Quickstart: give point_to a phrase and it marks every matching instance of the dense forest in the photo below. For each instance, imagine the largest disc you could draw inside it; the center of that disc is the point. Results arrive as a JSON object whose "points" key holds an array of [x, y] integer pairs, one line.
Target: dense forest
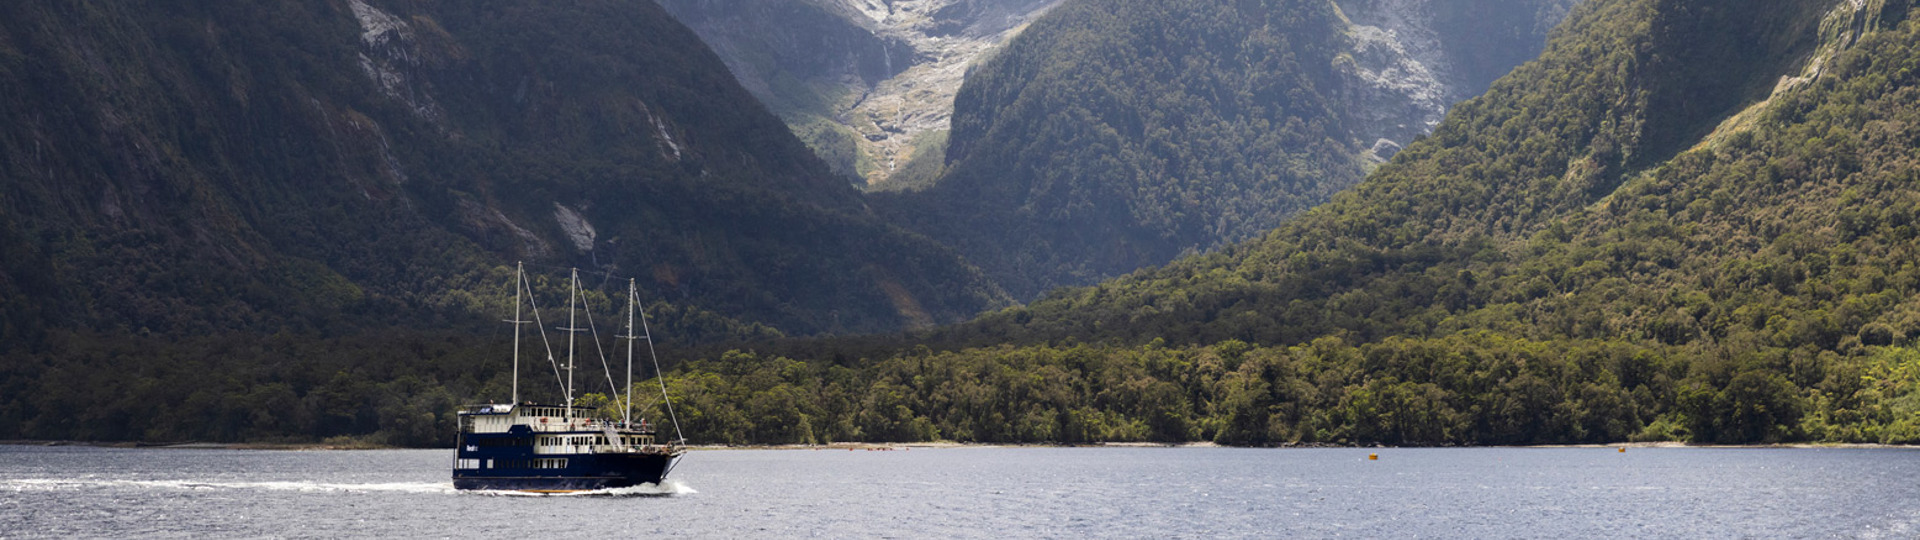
{"points": [[1466, 388]]}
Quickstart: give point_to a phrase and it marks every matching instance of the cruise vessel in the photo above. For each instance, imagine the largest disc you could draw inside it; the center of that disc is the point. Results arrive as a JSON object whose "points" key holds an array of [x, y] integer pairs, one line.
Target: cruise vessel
{"points": [[524, 446]]}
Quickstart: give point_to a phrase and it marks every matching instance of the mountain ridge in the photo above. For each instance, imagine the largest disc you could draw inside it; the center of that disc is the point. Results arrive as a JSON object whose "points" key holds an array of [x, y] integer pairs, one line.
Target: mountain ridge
{"points": [[346, 158], [1112, 136]]}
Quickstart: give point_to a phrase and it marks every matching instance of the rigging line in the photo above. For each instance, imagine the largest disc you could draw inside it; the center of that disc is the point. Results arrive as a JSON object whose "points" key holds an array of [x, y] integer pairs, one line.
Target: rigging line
{"points": [[611, 389], [650, 403], [543, 331], [661, 376]]}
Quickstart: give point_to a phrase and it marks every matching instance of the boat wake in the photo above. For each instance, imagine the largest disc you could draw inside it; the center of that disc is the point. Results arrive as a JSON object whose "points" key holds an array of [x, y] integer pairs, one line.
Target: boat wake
{"points": [[72, 484], [669, 488], [665, 489]]}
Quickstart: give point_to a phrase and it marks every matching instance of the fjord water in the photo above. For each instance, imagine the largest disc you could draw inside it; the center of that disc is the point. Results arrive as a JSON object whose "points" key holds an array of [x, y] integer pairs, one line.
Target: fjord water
{"points": [[988, 492]]}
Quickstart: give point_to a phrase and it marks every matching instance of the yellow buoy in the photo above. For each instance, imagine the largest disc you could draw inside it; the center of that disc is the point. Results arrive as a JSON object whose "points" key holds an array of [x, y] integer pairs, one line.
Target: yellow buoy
{"points": [[1373, 457]]}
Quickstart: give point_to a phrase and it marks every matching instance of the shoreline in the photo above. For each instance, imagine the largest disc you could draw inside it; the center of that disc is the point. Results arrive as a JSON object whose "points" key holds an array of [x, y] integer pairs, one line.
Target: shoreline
{"points": [[948, 445]]}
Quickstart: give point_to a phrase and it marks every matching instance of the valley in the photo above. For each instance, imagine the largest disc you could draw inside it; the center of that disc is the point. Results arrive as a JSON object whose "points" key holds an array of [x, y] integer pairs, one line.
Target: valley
{"points": [[862, 81]]}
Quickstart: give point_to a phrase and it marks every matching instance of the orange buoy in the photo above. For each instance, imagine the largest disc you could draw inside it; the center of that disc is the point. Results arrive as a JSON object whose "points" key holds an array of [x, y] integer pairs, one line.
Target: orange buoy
{"points": [[1373, 457], [1623, 449]]}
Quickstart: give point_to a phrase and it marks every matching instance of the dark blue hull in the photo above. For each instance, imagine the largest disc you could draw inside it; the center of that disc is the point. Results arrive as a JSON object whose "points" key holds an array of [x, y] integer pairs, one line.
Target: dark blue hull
{"points": [[512, 461], [584, 472]]}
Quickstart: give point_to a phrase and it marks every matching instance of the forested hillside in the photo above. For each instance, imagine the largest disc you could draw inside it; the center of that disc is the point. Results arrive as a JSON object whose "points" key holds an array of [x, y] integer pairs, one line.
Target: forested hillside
{"points": [[295, 200], [1559, 262], [306, 165], [1551, 140], [1113, 135]]}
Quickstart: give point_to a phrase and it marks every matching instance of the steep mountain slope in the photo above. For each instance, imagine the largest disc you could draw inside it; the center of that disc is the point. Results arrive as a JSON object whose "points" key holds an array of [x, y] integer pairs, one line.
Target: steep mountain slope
{"points": [[1559, 262], [1549, 141], [305, 165], [1114, 135], [1410, 60], [859, 80]]}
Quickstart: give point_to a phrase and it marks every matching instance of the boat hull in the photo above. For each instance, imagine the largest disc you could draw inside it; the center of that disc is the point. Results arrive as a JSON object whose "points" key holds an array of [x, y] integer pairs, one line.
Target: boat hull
{"points": [[584, 472]]}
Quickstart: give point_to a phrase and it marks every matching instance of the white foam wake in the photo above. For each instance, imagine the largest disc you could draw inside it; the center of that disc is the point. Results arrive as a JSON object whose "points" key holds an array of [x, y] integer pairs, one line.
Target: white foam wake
{"points": [[668, 488], [69, 484]]}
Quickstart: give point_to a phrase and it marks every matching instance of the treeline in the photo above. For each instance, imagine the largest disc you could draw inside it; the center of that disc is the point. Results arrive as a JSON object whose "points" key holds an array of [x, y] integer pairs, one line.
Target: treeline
{"points": [[394, 387], [397, 389], [1477, 388], [1473, 388]]}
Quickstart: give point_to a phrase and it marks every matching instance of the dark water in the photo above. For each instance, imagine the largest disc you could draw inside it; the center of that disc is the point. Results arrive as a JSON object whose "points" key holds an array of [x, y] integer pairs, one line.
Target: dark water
{"points": [[989, 492]]}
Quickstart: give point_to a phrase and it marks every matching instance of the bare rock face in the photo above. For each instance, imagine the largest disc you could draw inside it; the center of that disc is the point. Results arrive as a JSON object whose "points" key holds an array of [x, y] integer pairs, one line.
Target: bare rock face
{"points": [[859, 80], [949, 36], [392, 48], [1413, 59]]}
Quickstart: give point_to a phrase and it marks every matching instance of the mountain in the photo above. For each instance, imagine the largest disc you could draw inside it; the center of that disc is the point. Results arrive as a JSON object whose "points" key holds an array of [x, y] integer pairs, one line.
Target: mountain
{"points": [[1610, 107], [1687, 220], [298, 220], [868, 84], [307, 165], [1114, 135]]}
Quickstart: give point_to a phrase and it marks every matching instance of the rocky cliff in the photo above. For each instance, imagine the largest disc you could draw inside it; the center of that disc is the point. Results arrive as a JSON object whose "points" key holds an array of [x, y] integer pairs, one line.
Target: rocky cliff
{"points": [[859, 80], [1412, 59]]}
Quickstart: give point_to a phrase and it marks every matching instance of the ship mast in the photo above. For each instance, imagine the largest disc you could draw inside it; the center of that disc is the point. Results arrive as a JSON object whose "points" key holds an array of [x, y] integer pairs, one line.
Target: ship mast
{"points": [[519, 271], [573, 297], [633, 300]]}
